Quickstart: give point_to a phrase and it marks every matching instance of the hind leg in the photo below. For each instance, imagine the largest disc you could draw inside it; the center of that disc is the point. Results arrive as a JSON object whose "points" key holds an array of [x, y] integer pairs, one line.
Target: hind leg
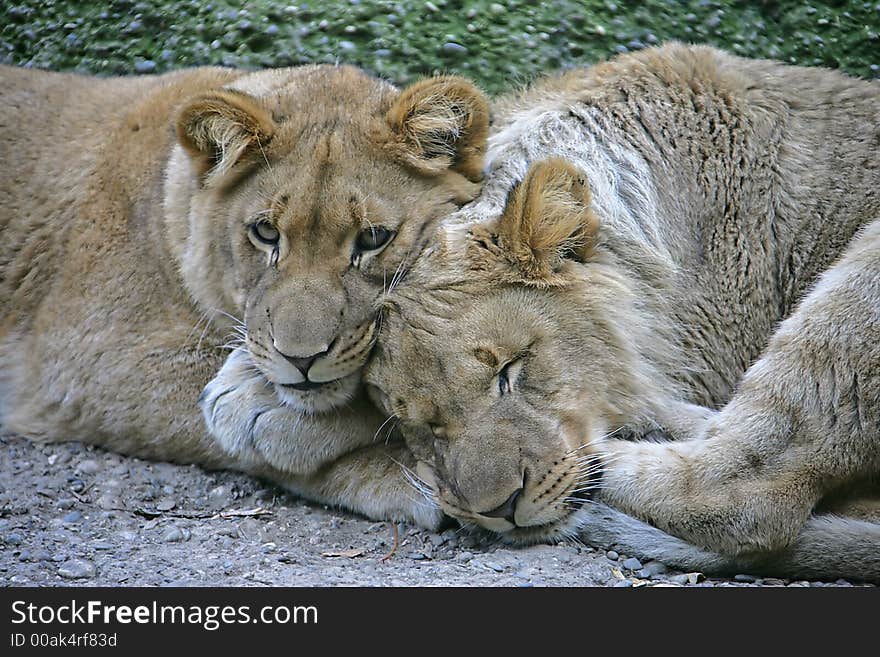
{"points": [[805, 421]]}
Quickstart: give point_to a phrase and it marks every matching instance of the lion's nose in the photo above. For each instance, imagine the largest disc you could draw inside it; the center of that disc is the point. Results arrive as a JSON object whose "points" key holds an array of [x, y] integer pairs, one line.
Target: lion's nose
{"points": [[303, 364], [507, 509]]}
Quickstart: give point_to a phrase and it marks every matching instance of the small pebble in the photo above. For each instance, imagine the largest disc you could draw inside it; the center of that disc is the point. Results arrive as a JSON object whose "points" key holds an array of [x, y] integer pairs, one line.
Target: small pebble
{"points": [[41, 555], [632, 564], [145, 66], [611, 554], [652, 569], [744, 578], [452, 48], [108, 501], [66, 503], [174, 535], [72, 517], [694, 578], [622, 584], [77, 569], [497, 8], [89, 466], [166, 505], [491, 565], [462, 557]]}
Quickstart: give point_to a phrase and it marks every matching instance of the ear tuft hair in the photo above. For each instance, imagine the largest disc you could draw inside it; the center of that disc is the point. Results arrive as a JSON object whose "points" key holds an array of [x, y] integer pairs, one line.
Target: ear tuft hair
{"points": [[441, 123], [221, 129], [547, 220]]}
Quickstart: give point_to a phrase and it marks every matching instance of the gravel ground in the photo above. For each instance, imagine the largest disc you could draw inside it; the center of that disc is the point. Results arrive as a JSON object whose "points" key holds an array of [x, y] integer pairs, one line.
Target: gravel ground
{"points": [[76, 515]]}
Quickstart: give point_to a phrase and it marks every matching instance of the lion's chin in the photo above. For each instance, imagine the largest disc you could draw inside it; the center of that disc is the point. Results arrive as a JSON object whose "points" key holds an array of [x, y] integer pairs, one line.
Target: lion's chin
{"points": [[319, 399], [561, 530], [558, 531]]}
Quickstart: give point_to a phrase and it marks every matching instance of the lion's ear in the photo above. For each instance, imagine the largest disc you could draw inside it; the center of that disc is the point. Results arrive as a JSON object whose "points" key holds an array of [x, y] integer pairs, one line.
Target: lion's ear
{"points": [[441, 123], [547, 220], [222, 129]]}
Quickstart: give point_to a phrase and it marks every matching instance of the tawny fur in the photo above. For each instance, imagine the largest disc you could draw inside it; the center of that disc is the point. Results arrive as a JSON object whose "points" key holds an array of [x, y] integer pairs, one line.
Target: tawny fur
{"points": [[732, 195]]}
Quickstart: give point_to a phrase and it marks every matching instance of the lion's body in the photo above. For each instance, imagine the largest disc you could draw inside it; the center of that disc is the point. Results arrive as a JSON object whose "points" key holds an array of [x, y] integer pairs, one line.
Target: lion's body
{"points": [[93, 304], [734, 159], [724, 188], [129, 258]]}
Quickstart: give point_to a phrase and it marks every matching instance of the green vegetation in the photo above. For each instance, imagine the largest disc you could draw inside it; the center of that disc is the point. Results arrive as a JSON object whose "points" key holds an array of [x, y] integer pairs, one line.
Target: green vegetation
{"points": [[496, 43]]}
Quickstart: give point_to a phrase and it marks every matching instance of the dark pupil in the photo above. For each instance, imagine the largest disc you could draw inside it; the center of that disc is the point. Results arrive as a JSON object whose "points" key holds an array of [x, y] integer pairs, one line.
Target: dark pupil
{"points": [[503, 380], [266, 232], [372, 238]]}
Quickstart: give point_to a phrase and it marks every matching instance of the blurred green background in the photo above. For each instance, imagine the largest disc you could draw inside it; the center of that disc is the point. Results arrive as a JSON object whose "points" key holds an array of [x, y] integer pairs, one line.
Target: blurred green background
{"points": [[499, 44]]}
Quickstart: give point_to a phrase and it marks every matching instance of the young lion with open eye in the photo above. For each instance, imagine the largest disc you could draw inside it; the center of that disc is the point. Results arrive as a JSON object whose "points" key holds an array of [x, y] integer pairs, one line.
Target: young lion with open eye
{"points": [[147, 221], [645, 227]]}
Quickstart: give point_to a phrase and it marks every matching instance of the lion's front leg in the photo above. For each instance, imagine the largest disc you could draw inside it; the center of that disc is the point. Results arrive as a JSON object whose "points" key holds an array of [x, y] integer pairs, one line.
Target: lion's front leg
{"points": [[377, 481], [349, 458], [805, 421], [249, 421]]}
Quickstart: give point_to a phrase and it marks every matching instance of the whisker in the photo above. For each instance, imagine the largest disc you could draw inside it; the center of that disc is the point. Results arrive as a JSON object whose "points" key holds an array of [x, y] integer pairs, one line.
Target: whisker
{"points": [[387, 420], [390, 431], [418, 484], [595, 441]]}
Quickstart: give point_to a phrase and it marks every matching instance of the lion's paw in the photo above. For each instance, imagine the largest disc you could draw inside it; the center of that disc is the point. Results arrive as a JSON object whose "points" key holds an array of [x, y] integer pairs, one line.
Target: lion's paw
{"points": [[231, 404]]}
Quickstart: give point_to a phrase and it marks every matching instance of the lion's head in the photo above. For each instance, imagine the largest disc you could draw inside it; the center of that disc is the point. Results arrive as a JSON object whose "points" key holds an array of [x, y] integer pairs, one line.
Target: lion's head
{"points": [[507, 351], [295, 196]]}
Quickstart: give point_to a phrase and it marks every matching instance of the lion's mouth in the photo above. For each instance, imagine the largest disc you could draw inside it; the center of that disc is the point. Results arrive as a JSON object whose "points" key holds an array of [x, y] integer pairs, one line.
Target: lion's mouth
{"points": [[560, 528], [303, 386]]}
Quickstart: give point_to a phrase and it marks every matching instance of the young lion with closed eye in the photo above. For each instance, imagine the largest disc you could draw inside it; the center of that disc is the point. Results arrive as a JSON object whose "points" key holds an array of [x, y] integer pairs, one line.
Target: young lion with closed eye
{"points": [[676, 241]]}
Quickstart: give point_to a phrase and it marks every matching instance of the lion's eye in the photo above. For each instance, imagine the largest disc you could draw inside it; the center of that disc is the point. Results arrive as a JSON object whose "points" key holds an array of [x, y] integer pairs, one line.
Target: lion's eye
{"points": [[373, 238], [507, 376], [265, 233]]}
